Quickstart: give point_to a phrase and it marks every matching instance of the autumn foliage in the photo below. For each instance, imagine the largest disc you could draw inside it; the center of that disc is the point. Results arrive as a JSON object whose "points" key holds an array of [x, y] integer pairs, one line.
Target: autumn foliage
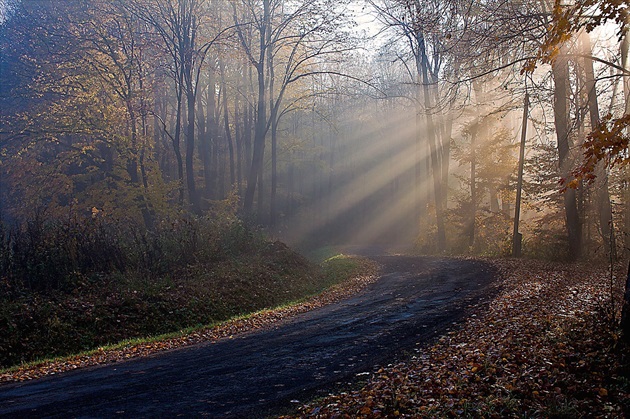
{"points": [[607, 143], [542, 348], [567, 19], [608, 140]]}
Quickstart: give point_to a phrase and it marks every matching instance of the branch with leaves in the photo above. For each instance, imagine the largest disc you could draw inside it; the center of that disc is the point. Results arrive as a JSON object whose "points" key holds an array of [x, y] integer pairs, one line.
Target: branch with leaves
{"points": [[608, 141]]}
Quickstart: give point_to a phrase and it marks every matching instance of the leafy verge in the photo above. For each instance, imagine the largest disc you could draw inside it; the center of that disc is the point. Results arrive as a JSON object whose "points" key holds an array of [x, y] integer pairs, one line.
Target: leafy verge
{"points": [[543, 348]]}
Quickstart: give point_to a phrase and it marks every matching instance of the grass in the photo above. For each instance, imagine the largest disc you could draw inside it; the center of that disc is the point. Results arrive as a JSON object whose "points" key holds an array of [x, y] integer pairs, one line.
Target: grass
{"points": [[321, 254], [309, 287]]}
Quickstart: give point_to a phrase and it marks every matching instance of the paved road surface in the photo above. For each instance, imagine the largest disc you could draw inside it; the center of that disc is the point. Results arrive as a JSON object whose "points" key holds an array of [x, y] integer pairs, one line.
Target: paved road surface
{"points": [[263, 372]]}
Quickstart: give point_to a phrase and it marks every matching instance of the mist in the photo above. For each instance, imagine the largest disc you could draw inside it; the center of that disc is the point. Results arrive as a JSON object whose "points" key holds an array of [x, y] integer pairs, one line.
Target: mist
{"points": [[341, 208], [319, 123]]}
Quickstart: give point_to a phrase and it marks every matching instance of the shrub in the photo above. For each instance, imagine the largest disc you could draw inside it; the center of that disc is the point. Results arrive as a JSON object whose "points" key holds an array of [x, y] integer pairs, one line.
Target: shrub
{"points": [[46, 255], [72, 285]]}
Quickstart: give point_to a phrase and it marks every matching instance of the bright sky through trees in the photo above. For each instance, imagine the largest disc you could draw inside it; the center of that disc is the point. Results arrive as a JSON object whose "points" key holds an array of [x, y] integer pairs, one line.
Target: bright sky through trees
{"points": [[386, 120]]}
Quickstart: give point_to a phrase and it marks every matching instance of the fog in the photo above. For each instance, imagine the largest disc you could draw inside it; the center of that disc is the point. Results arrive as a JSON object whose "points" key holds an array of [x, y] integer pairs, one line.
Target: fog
{"points": [[387, 122]]}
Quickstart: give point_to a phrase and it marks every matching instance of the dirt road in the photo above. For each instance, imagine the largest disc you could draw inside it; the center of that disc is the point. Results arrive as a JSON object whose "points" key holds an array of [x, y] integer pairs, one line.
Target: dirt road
{"points": [[264, 372]]}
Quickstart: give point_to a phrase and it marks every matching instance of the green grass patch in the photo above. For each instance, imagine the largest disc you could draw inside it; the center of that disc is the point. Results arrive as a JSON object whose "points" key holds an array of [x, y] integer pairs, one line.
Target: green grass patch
{"points": [[341, 266], [320, 254], [118, 310]]}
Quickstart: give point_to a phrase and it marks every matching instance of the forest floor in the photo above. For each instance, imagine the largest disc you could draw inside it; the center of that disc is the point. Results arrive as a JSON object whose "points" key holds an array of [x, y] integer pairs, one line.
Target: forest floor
{"points": [[543, 347]]}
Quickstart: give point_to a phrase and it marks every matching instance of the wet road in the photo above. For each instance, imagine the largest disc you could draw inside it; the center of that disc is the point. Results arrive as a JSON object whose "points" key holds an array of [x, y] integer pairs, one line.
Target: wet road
{"points": [[263, 372]]}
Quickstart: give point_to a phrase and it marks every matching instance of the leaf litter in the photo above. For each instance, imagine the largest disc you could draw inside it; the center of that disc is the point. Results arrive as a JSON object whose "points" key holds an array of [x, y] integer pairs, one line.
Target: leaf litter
{"points": [[543, 347]]}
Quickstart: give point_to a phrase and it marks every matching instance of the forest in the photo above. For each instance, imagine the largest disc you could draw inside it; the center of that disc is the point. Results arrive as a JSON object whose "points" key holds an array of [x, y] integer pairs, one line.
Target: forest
{"points": [[392, 122], [156, 155]]}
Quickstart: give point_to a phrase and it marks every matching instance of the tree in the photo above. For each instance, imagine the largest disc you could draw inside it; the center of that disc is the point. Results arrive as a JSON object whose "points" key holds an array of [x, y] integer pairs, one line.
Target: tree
{"points": [[420, 23], [262, 23], [87, 64], [291, 44], [185, 35], [608, 142], [118, 49]]}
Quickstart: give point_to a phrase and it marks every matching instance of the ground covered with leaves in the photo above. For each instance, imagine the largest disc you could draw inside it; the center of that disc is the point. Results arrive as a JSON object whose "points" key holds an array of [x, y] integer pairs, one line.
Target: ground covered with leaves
{"points": [[544, 347]]}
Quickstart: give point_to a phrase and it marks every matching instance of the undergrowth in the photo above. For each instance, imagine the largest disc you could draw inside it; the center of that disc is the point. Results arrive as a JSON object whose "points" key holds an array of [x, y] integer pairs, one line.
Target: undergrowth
{"points": [[76, 285]]}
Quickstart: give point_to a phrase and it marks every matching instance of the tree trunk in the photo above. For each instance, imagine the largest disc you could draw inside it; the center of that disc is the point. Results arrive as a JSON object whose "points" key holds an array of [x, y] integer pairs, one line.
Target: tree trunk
{"points": [[238, 139], [516, 235], [261, 195], [604, 207], [494, 199], [255, 173], [443, 131], [133, 167], [447, 133], [176, 146], [273, 110], [435, 162], [478, 88], [625, 49], [473, 188], [147, 210], [259, 145], [190, 153], [560, 73], [418, 183], [625, 311], [226, 120], [202, 135], [273, 211], [209, 137], [290, 190], [248, 126]]}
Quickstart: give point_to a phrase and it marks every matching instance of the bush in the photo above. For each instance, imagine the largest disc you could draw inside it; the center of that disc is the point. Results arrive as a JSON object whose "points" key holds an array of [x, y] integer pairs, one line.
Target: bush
{"points": [[492, 232], [73, 285], [46, 255], [546, 238]]}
